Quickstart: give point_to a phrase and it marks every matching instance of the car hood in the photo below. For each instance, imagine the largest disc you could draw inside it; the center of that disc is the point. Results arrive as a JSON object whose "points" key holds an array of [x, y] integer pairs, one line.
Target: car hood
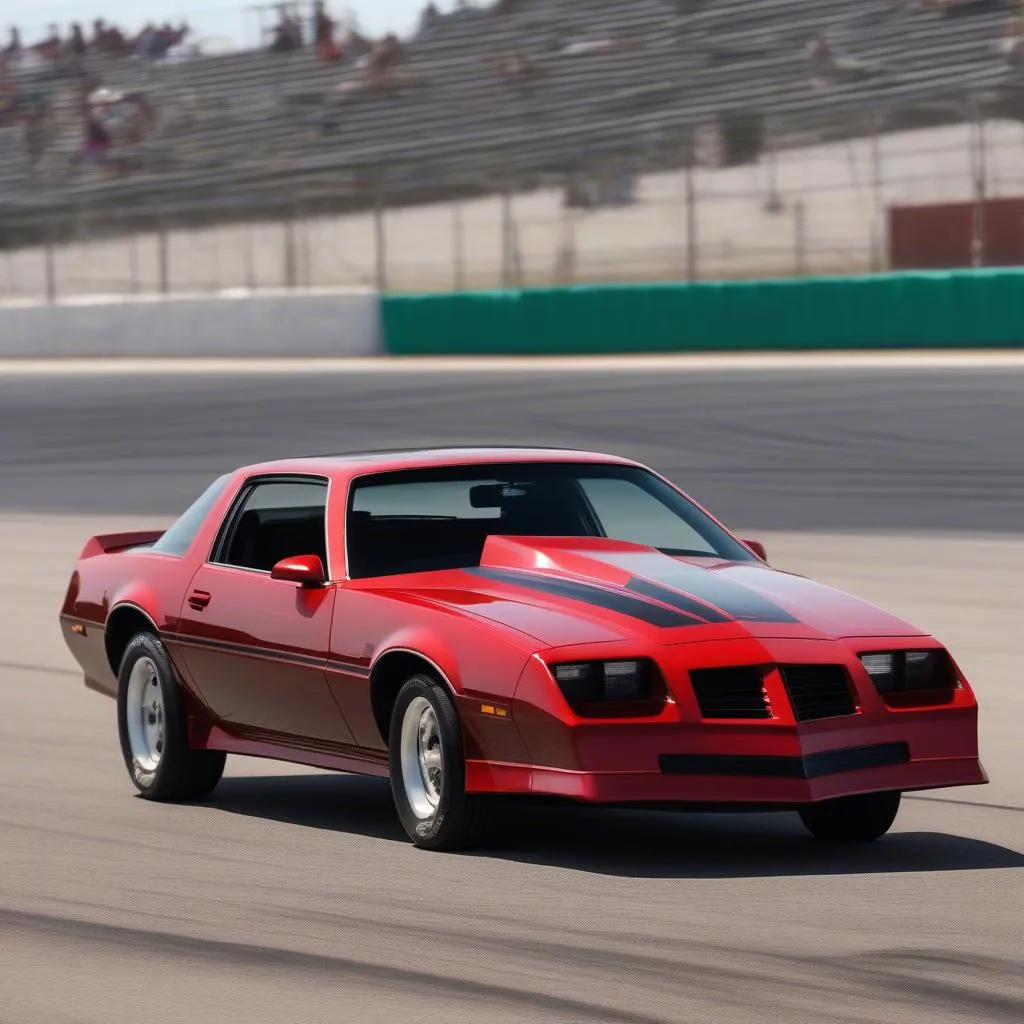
{"points": [[591, 590]]}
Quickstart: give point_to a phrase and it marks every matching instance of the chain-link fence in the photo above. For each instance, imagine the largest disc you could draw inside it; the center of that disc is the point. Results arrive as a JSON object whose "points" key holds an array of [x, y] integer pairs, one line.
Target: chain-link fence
{"points": [[797, 209]]}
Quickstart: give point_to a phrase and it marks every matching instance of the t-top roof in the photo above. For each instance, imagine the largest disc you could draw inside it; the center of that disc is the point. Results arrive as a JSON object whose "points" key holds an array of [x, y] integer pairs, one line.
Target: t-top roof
{"points": [[358, 463]]}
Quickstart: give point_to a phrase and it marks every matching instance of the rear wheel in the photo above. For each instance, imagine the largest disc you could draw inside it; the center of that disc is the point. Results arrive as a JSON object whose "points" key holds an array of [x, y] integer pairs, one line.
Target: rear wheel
{"points": [[428, 769], [153, 727], [852, 819]]}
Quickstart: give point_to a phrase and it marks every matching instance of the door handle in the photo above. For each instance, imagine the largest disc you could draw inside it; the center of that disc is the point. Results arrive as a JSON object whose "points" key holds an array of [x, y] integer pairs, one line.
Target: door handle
{"points": [[199, 599]]}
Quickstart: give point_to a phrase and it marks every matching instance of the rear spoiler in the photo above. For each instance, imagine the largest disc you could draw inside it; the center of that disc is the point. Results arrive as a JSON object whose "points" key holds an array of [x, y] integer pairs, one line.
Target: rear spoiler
{"points": [[111, 543]]}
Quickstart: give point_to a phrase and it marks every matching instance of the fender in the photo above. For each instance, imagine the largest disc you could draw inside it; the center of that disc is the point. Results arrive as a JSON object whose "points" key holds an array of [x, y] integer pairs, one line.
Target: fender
{"points": [[486, 738], [424, 643]]}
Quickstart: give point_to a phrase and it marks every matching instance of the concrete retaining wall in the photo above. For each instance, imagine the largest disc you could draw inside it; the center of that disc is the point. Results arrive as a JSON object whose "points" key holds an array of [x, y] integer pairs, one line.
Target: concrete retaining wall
{"points": [[265, 324]]}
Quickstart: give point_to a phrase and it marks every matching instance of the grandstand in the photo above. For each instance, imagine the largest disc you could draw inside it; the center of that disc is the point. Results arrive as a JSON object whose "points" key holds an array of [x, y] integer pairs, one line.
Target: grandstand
{"points": [[645, 85]]}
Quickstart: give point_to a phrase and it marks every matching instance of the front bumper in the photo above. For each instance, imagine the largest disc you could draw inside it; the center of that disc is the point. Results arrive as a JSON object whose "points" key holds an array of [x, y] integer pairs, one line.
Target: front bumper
{"points": [[679, 756]]}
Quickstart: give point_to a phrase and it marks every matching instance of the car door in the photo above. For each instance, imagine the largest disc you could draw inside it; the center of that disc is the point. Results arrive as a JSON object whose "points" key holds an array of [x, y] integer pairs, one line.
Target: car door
{"points": [[255, 647]]}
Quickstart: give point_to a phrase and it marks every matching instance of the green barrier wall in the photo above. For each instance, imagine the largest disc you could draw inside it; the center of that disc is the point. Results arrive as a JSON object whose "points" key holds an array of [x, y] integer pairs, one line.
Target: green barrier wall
{"points": [[959, 309]]}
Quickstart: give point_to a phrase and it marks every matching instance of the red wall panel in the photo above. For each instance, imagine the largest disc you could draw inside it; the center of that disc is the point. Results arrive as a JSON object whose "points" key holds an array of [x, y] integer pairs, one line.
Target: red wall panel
{"points": [[939, 236]]}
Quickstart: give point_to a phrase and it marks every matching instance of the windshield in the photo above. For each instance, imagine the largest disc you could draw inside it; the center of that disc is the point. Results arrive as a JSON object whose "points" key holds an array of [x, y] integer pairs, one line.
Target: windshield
{"points": [[417, 520]]}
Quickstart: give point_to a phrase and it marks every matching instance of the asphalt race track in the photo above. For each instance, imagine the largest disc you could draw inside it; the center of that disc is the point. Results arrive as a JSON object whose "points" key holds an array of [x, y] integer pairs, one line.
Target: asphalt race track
{"points": [[293, 896], [783, 450]]}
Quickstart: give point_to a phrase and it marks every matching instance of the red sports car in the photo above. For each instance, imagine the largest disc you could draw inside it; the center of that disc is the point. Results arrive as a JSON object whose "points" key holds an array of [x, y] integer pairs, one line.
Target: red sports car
{"points": [[507, 621]]}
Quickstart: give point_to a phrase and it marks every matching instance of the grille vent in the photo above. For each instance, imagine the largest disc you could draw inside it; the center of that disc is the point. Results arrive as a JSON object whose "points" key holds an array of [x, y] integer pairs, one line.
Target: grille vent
{"points": [[731, 692]]}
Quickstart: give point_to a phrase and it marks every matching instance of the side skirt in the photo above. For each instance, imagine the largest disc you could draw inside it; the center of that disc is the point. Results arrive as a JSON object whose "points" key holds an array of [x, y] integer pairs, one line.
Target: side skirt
{"points": [[274, 747]]}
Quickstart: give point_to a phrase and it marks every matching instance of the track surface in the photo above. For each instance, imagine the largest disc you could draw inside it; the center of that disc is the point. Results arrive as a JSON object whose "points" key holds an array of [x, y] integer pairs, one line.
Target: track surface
{"points": [[834, 450], [293, 895]]}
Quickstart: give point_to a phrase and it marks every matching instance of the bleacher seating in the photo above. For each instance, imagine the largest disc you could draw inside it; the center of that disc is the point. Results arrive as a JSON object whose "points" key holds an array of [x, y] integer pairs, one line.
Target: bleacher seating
{"points": [[246, 124]]}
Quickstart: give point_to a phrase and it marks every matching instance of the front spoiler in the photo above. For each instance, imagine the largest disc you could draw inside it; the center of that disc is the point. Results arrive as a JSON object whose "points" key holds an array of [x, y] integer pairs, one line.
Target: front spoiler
{"points": [[810, 779]]}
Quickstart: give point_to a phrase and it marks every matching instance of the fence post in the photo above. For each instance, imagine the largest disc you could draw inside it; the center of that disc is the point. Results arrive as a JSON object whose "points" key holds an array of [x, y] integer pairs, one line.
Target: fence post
{"points": [[878, 221], [51, 269], [380, 231], [458, 247], [289, 248], [980, 167], [506, 234], [247, 255], [163, 260], [133, 252], [305, 252], [216, 281], [800, 237], [565, 258], [773, 200], [692, 238]]}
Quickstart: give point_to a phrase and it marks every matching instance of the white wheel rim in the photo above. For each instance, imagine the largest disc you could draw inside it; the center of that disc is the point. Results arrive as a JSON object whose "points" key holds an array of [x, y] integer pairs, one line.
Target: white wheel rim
{"points": [[144, 713], [422, 758]]}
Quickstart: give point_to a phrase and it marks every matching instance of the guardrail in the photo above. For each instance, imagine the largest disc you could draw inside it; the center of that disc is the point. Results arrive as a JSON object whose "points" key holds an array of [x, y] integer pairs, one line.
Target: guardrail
{"points": [[920, 310], [914, 310]]}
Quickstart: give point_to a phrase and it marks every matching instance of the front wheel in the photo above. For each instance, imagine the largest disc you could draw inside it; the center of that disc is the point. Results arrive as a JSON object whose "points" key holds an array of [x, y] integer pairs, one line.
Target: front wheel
{"points": [[153, 727], [428, 769], [852, 819]]}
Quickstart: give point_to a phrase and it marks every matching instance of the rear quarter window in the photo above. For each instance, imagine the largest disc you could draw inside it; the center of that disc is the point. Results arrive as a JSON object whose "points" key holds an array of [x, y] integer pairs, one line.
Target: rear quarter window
{"points": [[178, 539]]}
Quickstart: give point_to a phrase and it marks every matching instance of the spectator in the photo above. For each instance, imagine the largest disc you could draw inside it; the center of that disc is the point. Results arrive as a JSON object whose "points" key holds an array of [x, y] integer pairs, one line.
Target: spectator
{"points": [[516, 65], [1011, 46], [819, 56], [828, 69], [323, 24], [77, 45], [97, 136], [14, 48], [165, 39], [141, 118], [8, 94], [430, 17], [385, 58], [327, 48], [51, 47], [144, 43], [287, 32]]}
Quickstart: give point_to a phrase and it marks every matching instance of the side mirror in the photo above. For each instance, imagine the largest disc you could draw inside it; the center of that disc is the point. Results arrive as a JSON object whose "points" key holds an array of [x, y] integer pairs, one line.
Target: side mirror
{"points": [[306, 570], [758, 548]]}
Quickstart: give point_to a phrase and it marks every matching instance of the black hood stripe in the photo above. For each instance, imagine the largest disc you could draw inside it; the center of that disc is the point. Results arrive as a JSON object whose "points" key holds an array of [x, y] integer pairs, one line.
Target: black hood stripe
{"points": [[681, 602], [741, 602], [599, 597]]}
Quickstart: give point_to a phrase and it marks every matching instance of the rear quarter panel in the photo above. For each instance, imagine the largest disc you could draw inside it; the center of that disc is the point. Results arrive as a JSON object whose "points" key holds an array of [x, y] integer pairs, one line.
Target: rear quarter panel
{"points": [[153, 583]]}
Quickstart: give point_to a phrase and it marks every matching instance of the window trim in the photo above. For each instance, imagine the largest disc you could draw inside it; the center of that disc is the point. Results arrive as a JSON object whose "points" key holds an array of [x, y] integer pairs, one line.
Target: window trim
{"points": [[233, 513]]}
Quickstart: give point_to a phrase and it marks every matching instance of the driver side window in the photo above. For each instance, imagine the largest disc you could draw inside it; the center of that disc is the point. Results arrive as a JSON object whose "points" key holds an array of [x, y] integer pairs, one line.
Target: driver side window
{"points": [[274, 519]]}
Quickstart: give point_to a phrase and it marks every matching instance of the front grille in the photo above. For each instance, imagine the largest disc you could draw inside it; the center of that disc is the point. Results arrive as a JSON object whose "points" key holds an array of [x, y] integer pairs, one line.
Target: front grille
{"points": [[818, 691], [731, 692]]}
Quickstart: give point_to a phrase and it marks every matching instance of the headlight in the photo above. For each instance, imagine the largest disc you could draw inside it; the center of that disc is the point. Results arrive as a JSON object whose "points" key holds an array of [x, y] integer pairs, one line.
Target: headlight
{"points": [[881, 668], [910, 671], [589, 683], [927, 670]]}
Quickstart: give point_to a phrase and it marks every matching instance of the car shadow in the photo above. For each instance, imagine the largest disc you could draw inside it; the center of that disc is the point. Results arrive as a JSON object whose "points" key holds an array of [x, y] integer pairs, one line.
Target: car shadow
{"points": [[626, 843]]}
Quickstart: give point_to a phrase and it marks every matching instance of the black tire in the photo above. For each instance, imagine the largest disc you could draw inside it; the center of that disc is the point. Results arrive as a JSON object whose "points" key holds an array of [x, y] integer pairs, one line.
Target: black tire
{"points": [[852, 819], [459, 820], [181, 773]]}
